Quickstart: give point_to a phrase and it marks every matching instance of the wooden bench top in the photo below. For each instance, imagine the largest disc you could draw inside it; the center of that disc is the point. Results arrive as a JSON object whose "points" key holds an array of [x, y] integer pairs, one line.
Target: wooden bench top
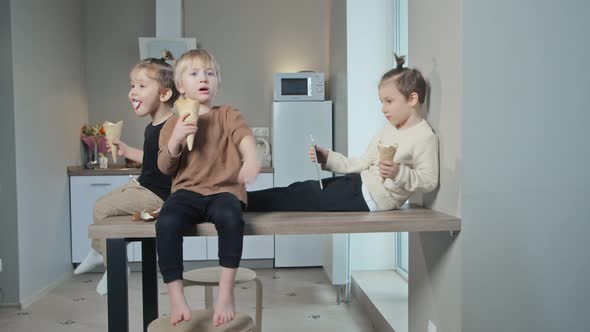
{"points": [[410, 219]]}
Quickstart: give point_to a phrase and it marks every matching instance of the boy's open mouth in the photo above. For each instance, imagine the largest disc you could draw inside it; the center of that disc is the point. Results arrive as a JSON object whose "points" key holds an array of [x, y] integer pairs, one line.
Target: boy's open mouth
{"points": [[136, 103]]}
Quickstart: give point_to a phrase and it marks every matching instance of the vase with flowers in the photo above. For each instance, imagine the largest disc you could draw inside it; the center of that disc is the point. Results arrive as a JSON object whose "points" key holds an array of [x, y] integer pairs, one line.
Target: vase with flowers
{"points": [[93, 138]]}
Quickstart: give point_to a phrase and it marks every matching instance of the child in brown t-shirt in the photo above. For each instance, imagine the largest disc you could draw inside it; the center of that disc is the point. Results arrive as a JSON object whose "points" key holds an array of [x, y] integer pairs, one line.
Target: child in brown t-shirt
{"points": [[207, 182]]}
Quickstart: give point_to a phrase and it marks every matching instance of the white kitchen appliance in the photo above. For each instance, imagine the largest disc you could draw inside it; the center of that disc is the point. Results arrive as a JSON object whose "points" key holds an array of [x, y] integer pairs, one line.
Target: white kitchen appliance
{"points": [[293, 123], [302, 86]]}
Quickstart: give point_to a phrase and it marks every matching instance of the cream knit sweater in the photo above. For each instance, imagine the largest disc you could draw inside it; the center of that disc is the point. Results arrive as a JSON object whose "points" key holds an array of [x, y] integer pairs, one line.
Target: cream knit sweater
{"points": [[417, 156]]}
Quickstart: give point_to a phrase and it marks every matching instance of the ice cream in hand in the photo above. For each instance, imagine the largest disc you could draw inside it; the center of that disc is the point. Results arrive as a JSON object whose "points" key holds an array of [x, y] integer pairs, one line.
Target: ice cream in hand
{"points": [[113, 132], [183, 106], [386, 152]]}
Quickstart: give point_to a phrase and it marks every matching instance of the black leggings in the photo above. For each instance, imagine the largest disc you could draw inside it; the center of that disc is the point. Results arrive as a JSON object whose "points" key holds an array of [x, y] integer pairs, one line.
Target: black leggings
{"points": [[342, 193], [185, 208]]}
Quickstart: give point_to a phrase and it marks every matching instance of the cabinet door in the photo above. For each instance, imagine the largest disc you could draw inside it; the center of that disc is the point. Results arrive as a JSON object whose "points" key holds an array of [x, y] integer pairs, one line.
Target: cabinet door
{"points": [[255, 246], [84, 191]]}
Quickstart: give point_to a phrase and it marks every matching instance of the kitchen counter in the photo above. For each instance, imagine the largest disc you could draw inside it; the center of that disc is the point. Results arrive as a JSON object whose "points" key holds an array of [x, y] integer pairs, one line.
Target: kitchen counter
{"points": [[79, 171]]}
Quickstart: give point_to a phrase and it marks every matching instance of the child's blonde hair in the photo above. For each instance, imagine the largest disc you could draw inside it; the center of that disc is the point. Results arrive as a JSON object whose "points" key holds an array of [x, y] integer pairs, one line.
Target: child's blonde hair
{"points": [[189, 56], [160, 71]]}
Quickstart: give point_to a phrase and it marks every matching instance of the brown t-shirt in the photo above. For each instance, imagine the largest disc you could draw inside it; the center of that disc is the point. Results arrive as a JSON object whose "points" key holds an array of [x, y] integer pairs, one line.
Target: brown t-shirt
{"points": [[213, 165]]}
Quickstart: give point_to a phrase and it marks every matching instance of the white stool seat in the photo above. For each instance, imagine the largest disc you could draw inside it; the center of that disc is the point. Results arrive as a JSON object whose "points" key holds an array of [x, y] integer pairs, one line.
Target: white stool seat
{"points": [[202, 321], [209, 276]]}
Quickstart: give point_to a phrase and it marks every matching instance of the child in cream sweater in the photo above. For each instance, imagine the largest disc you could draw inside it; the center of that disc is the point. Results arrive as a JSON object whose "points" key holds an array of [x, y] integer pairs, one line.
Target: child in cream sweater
{"points": [[371, 183]]}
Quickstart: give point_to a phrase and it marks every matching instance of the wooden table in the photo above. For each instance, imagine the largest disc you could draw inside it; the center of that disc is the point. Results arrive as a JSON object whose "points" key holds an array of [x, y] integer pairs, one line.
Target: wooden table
{"points": [[118, 231]]}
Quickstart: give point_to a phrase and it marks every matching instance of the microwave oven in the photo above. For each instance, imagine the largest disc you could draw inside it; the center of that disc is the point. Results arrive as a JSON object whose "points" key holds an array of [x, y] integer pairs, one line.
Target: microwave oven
{"points": [[303, 86]]}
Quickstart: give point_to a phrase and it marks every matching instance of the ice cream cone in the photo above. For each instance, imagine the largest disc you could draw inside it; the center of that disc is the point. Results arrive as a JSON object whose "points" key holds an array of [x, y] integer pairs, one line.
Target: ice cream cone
{"points": [[113, 132], [386, 152], [185, 105]]}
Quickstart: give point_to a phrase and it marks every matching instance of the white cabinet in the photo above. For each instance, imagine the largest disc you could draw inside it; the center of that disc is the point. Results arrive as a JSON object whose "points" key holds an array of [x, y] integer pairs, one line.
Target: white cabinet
{"points": [[84, 191], [292, 124], [255, 246]]}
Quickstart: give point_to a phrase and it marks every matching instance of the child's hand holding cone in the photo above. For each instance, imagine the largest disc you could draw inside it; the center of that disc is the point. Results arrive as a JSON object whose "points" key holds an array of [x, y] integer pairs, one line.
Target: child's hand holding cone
{"points": [[113, 133], [121, 147], [188, 106], [387, 166]]}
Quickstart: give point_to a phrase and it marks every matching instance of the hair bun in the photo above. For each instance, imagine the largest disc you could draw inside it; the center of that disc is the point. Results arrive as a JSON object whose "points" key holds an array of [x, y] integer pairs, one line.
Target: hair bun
{"points": [[167, 55], [400, 61]]}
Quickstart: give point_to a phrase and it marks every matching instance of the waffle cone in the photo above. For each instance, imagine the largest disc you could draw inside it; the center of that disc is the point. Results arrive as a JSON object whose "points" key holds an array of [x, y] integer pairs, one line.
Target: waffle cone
{"points": [[183, 106], [386, 152], [113, 132]]}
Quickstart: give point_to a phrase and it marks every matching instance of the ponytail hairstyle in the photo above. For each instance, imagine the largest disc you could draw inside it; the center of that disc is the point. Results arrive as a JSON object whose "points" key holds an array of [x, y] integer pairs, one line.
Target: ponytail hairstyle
{"points": [[407, 80]]}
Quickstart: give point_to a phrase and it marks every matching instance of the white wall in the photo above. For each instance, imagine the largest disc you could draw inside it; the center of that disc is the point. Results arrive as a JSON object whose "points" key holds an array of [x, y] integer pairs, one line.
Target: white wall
{"points": [[9, 289], [369, 56], [338, 74], [336, 259], [254, 39], [434, 47], [49, 109], [526, 154], [111, 31], [369, 44]]}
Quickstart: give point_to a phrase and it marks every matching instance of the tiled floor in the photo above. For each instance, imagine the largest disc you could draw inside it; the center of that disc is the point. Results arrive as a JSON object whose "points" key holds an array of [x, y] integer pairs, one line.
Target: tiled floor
{"points": [[294, 300]]}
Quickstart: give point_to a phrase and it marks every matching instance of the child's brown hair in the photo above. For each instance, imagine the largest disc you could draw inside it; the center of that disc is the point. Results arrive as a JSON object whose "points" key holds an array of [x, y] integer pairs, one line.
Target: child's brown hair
{"points": [[407, 80], [162, 72]]}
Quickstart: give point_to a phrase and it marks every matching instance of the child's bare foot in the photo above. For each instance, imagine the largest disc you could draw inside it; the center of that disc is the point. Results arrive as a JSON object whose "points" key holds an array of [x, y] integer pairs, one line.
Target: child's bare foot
{"points": [[179, 309], [224, 307]]}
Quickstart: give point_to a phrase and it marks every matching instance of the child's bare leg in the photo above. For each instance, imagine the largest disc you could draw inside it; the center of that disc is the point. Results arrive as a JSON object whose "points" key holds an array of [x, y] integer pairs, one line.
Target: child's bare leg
{"points": [[179, 309], [224, 307]]}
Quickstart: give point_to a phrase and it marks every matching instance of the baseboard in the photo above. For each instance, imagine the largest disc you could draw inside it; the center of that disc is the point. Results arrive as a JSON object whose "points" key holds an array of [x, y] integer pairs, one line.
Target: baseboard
{"points": [[9, 305], [375, 316], [24, 303]]}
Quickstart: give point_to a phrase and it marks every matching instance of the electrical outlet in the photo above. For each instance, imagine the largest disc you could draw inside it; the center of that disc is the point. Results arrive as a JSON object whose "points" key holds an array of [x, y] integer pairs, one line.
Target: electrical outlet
{"points": [[431, 326], [0, 264], [261, 131]]}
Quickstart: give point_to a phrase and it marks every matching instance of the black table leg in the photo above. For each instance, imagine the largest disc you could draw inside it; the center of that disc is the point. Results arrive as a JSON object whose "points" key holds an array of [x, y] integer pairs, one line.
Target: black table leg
{"points": [[117, 298], [149, 281]]}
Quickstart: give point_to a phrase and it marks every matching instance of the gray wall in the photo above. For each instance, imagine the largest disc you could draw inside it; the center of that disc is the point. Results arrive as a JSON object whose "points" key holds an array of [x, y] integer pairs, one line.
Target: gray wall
{"points": [[526, 154], [238, 34], [49, 109], [369, 44], [111, 32], [254, 39], [338, 72], [8, 212], [435, 258]]}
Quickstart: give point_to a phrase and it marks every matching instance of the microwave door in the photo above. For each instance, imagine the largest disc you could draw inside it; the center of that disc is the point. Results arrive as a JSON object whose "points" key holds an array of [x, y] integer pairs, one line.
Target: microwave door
{"points": [[295, 86]]}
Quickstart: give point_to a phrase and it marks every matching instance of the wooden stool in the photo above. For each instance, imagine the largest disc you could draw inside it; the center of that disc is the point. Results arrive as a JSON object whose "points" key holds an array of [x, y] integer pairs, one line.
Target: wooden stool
{"points": [[202, 321], [209, 277]]}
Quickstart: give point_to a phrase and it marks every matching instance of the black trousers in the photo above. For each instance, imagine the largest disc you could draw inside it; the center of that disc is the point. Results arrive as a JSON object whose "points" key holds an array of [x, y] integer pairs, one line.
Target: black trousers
{"points": [[185, 208], [343, 193]]}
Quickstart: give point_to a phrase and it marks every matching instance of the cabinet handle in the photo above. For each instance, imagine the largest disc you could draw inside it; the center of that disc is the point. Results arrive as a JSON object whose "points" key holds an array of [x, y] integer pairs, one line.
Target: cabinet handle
{"points": [[100, 184]]}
